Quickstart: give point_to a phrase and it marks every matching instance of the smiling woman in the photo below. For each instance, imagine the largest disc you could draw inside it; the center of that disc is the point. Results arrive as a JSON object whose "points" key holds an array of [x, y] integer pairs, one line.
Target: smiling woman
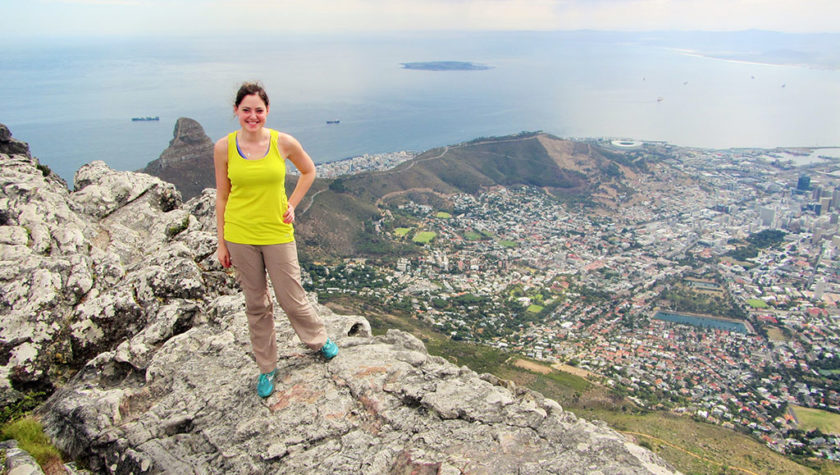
{"points": [[255, 232]]}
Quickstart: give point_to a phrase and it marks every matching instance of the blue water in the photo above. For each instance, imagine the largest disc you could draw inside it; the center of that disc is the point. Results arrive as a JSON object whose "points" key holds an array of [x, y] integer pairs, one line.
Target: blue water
{"points": [[72, 100], [701, 322]]}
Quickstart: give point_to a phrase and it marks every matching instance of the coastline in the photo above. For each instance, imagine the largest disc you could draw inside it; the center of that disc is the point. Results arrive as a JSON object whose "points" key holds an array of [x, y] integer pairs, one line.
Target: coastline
{"points": [[360, 163]]}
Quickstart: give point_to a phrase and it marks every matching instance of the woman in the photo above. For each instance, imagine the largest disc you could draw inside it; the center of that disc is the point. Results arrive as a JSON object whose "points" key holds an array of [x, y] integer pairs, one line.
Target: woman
{"points": [[254, 225]]}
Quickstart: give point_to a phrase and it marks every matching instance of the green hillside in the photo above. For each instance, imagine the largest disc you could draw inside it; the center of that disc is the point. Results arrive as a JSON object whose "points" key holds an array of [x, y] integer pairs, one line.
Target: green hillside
{"points": [[337, 223]]}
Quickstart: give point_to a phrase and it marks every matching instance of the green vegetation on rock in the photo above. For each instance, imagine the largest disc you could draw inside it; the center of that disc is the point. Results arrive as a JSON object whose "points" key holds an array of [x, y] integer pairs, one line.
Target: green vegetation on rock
{"points": [[30, 437]]}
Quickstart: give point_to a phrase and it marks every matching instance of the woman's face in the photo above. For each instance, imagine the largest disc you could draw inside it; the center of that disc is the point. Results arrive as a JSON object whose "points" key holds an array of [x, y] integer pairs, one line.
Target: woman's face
{"points": [[252, 112]]}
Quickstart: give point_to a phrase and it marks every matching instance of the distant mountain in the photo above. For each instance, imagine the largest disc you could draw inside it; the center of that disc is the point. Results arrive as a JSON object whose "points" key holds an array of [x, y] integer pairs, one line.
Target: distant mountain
{"points": [[188, 161], [336, 215]]}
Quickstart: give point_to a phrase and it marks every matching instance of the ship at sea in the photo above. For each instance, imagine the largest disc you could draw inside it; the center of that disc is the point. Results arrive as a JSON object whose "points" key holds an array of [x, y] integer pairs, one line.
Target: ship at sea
{"points": [[144, 119], [333, 121]]}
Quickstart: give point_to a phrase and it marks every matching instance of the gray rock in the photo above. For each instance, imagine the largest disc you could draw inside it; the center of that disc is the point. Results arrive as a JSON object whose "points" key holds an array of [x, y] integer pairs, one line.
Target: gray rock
{"points": [[110, 296], [18, 461], [10, 145], [188, 161], [188, 142]]}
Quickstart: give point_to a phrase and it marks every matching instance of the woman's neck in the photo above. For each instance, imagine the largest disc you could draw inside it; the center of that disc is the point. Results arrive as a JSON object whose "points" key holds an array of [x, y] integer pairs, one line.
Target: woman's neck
{"points": [[253, 137]]}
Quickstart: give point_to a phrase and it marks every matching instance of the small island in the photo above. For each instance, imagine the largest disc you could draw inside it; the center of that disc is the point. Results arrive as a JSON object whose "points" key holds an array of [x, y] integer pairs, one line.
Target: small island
{"points": [[446, 66]]}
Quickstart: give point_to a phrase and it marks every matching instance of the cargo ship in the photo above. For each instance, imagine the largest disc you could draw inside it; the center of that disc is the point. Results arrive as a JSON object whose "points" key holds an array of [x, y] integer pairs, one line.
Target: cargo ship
{"points": [[333, 121], [144, 119]]}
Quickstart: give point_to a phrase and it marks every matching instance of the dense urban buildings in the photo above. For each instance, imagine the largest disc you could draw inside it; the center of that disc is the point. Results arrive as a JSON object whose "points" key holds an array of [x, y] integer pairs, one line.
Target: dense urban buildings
{"points": [[742, 244]]}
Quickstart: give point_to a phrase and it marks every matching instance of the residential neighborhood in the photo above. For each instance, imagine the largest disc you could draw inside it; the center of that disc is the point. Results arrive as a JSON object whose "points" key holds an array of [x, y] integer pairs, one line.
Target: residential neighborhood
{"points": [[742, 244]]}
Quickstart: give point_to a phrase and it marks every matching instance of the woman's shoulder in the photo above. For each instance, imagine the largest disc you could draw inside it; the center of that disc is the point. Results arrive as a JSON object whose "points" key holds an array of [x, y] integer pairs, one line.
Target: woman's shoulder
{"points": [[284, 139], [221, 145]]}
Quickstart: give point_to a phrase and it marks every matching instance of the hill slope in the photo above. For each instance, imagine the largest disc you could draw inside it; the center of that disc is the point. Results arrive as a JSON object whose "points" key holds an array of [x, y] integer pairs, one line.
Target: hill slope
{"points": [[336, 217], [568, 170]]}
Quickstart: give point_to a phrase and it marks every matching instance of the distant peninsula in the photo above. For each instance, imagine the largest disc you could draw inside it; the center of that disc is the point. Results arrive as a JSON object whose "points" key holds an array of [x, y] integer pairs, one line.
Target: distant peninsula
{"points": [[446, 66]]}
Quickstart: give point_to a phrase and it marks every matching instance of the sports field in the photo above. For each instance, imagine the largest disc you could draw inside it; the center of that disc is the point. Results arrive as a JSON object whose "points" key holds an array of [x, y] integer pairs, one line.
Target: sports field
{"points": [[424, 236], [810, 419]]}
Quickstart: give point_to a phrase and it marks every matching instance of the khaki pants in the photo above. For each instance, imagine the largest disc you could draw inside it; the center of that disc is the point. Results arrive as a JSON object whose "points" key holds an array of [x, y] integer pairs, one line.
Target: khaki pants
{"points": [[281, 262]]}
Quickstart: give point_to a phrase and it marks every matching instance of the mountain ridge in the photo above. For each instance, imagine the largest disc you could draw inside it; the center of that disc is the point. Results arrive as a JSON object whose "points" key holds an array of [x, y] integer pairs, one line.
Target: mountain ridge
{"points": [[348, 205]]}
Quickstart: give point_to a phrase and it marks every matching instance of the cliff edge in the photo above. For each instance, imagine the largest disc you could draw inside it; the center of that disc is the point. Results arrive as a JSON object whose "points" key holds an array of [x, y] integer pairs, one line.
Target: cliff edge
{"points": [[111, 299]]}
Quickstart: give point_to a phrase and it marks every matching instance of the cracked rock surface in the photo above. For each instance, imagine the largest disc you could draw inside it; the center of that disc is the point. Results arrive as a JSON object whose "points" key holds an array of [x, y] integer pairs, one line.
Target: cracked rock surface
{"points": [[110, 296]]}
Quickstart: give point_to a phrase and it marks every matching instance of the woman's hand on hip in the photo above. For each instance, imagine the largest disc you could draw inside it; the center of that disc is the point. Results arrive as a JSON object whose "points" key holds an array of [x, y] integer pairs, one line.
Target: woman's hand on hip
{"points": [[289, 215]]}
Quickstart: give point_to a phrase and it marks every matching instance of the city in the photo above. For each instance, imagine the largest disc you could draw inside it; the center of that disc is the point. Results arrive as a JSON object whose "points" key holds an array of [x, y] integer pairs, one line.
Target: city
{"points": [[738, 235]]}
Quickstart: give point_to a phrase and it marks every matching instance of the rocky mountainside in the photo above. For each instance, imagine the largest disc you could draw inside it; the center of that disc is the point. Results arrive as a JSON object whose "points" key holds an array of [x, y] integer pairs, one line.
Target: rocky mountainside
{"points": [[188, 161], [111, 300]]}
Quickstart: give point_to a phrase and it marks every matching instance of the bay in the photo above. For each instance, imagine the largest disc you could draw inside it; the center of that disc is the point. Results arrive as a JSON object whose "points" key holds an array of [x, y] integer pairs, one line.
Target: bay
{"points": [[73, 99]]}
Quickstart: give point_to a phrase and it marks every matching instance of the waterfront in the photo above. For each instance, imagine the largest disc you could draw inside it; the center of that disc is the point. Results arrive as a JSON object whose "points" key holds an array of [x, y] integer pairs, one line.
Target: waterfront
{"points": [[73, 100]]}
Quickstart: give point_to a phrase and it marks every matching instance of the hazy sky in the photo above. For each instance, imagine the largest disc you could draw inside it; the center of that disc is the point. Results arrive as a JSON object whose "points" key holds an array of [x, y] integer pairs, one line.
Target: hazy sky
{"points": [[26, 18]]}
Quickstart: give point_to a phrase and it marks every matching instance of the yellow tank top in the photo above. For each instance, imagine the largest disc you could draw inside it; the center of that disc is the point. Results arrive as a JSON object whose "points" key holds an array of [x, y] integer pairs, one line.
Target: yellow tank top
{"points": [[257, 200]]}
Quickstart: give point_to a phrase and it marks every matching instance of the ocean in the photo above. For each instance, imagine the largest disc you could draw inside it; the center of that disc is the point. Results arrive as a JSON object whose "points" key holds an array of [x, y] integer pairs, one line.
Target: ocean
{"points": [[73, 99]]}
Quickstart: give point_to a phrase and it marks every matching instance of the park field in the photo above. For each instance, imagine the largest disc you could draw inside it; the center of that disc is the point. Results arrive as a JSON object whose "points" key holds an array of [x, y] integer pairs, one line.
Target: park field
{"points": [[424, 236], [755, 303], [810, 419]]}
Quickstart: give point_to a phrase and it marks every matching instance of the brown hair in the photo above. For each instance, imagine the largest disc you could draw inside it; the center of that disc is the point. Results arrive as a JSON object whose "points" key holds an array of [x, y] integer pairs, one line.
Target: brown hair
{"points": [[249, 88]]}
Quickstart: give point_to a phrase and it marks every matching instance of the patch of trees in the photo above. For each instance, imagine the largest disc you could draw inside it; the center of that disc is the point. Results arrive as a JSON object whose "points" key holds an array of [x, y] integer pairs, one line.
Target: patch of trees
{"points": [[766, 238], [760, 240]]}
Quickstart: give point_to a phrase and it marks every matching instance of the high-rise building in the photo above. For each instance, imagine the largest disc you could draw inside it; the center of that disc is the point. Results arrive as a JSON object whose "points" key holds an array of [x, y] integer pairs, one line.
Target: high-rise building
{"points": [[835, 198], [817, 193], [819, 289], [768, 215], [804, 183], [825, 203]]}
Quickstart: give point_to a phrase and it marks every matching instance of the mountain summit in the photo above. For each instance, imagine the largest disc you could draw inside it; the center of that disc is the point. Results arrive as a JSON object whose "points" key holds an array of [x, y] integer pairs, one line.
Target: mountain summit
{"points": [[188, 161], [113, 302]]}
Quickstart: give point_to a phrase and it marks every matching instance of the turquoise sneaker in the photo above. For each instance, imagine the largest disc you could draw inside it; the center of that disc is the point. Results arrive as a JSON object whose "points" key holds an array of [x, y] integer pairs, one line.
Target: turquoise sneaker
{"points": [[265, 386], [329, 350]]}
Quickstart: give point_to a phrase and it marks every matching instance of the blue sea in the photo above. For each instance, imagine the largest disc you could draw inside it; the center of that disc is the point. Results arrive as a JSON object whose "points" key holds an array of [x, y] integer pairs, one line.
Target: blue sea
{"points": [[73, 99]]}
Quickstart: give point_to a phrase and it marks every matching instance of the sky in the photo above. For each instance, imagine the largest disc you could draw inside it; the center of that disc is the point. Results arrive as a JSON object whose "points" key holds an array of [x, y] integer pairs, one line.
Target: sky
{"points": [[24, 19]]}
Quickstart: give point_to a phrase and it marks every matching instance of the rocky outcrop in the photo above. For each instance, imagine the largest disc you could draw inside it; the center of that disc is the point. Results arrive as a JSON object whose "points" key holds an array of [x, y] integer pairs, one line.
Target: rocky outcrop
{"points": [[10, 145], [110, 297], [189, 142], [188, 161]]}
